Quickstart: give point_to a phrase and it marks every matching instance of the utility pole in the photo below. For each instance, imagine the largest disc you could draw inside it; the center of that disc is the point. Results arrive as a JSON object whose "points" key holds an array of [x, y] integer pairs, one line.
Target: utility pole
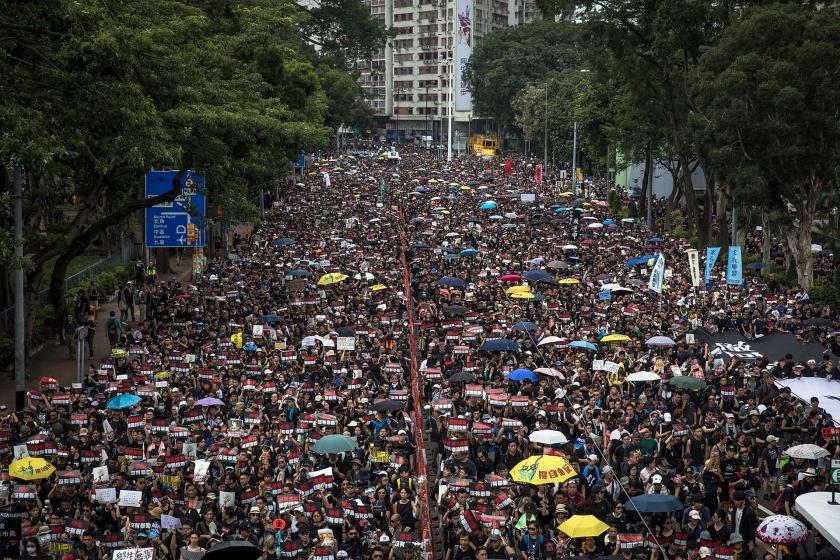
{"points": [[20, 352], [574, 158]]}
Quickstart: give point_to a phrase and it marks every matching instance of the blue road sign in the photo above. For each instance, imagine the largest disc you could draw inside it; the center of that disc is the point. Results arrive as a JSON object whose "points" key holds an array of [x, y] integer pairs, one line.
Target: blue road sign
{"points": [[179, 223], [301, 161]]}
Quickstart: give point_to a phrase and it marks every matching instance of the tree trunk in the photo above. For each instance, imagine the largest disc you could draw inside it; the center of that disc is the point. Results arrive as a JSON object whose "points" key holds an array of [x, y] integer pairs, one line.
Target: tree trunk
{"points": [[643, 196], [32, 301], [722, 222], [162, 261], [56, 292], [798, 235], [766, 244]]}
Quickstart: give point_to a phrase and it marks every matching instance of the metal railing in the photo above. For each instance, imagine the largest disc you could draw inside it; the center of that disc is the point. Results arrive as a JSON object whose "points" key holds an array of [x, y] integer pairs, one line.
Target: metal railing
{"points": [[125, 254]]}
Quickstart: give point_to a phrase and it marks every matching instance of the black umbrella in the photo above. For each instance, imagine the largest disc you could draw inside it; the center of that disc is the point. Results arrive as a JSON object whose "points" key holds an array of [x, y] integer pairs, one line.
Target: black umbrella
{"points": [[228, 550], [345, 331], [461, 377], [818, 322], [455, 310], [387, 404]]}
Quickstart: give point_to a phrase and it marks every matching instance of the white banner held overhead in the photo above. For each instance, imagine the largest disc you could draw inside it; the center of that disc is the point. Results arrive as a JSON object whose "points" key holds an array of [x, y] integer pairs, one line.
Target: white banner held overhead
{"points": [[463, 50], [694, 266], [825, 390], [657, 275]]}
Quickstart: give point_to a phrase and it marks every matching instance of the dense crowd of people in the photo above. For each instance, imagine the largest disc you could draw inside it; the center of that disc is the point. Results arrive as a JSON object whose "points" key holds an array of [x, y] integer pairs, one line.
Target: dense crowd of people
{"points": [[204, 425]]}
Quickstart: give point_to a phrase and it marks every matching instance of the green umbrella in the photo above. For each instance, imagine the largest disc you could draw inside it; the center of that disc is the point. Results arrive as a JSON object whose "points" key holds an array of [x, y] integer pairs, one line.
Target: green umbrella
{"points": [[335, 443], [687, 382]]}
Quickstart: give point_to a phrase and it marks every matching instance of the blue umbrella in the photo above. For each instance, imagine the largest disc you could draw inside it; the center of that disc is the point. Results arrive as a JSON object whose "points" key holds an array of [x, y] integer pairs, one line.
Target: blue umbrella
{"points": [[122, 401], [271, 319], [283, 242], [639, 260], [654, 240], [472, 183], [522, 374], [500, 345], [755, 266], [299, 273], [451, 256], [422, 246], [451, 282], [608, 222], [422, 189], [489, 205], [561, 209], [524, 326], [452, 188], [654, 503], [583, 344], [534, 275], [468, 252], [538, 297]]}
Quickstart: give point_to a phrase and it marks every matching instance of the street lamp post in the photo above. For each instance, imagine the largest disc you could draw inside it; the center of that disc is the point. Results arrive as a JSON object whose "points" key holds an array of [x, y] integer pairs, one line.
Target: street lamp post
{"points": [[574, 158], [545, 129]]}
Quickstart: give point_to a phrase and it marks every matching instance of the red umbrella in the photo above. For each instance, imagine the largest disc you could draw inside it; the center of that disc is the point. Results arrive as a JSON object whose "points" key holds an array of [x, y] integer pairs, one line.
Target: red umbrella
{"points": [[510, 278]]}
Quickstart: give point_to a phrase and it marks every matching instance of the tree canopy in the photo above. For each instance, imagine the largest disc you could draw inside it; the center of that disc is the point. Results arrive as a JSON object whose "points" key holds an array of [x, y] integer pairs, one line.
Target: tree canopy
{"points": [[96, 92]]}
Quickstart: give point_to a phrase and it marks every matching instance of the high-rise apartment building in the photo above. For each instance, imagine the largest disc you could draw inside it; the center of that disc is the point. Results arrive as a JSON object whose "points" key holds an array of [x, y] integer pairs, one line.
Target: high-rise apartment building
{"points": [[407, 83]]}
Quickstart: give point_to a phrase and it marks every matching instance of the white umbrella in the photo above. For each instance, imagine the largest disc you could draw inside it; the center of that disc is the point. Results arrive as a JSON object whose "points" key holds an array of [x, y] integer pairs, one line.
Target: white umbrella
{"points": [[511, 215], [621, 290], [551, 372], [595, 225], [550, 340], [548, 437], [807, 451], [781, 529], [641, 376], [660, 341], [368, 276], [569, 248], [495, 217]]}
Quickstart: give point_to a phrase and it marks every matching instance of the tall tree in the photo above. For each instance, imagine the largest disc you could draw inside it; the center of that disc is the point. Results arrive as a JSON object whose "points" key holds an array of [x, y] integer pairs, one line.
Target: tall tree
{"points": [[769, 100]]}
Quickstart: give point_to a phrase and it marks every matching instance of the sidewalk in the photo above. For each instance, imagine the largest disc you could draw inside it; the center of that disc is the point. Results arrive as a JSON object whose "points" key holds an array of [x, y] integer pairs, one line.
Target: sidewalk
{"points": [[55, 360]]}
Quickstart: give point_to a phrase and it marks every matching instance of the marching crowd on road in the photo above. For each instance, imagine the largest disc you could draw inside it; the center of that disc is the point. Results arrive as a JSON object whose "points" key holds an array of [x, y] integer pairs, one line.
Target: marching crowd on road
{"points": [[581, 395]]}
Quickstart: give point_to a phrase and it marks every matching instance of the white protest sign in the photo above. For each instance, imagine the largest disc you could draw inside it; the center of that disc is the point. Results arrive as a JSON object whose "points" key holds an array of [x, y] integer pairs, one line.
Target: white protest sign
{"points": [[257, 331], [611, 367], [527, 198], [190, 450], [200, 469], [346, 343], [21, 452], [105, 495], [100, 474], [227, 499], [597, 365], [131, 498], [169, 522], [134, 554]]}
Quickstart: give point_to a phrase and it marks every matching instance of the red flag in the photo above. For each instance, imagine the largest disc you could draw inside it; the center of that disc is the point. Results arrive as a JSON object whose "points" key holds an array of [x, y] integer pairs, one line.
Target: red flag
{"points": [[508, 167], [538, 177]]}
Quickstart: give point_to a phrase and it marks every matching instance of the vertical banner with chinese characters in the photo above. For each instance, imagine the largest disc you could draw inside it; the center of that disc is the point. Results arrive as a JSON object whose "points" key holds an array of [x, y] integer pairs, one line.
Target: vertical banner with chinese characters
{"points": [[734, 270], [463, 50], [694, 266]]}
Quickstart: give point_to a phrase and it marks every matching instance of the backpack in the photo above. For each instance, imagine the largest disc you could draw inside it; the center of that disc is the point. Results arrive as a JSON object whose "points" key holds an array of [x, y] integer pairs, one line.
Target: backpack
{"points": [[113, 326]]}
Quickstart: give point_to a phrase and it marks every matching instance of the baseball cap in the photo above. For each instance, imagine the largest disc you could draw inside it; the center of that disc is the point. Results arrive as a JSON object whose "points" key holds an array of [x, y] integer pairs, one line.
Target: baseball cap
{"points": [[656, 479], [694, 514], [384, 539], [495, 535], [254, 509]]}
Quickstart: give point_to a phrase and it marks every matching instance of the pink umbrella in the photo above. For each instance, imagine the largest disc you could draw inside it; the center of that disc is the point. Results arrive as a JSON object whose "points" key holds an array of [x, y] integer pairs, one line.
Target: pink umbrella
{"points": [[510, 278], [781, 529]]}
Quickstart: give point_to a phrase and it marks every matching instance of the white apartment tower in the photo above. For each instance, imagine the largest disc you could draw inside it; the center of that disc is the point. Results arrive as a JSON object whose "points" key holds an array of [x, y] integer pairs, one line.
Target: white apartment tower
{"points": [[407, 83]]}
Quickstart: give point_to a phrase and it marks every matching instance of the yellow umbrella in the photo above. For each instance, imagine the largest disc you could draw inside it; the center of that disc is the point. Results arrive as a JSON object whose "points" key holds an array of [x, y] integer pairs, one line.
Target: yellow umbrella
{"points": [[567, 193], [522, 295], [445, 212], [453, 184], [517, 289], [615, 338], [377, 287], [542, 469], [332, 278], [579, 526], [569, 281], [30, 468], [433, 181]]}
